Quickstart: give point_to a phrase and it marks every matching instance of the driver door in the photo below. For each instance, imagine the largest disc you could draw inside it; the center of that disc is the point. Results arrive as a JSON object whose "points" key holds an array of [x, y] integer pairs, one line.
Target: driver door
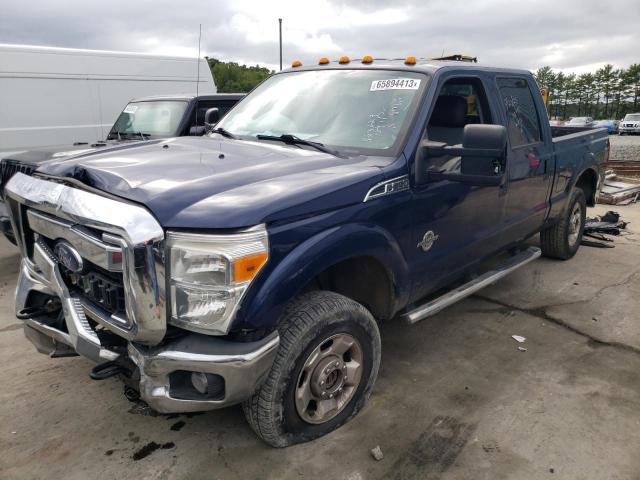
{"points": [[455, 224]]}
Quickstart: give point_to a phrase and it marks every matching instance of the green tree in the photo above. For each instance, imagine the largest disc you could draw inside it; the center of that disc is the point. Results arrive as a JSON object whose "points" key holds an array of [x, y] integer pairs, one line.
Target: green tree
{"points": [[632, 78], [606, 93], [231, 77]]}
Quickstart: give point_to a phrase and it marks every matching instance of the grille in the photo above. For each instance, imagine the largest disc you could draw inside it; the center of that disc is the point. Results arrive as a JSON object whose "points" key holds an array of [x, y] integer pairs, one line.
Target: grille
{"points": [[8, 168], [106, 291]]}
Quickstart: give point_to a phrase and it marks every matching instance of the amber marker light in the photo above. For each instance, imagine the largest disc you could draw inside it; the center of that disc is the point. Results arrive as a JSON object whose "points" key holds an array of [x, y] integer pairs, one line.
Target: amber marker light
{"points": [[343, 59], [410, 61], [245, 268], [323, 61], [296, 63], [367, 59]]}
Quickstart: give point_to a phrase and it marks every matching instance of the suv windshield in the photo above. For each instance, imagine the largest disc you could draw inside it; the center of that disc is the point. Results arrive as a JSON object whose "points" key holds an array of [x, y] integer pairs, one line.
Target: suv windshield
{"points": [[633, 117], [348, 110], [149, 119]]}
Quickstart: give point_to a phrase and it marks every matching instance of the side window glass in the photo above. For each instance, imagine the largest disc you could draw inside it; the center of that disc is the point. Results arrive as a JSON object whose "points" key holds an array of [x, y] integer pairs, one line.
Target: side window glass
{"points": [[460, 102], [522, 117], [223, 107]]}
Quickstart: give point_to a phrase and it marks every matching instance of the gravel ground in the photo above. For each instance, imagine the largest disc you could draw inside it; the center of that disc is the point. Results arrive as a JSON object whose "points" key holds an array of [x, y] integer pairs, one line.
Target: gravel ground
{"points": [[625, 148]]}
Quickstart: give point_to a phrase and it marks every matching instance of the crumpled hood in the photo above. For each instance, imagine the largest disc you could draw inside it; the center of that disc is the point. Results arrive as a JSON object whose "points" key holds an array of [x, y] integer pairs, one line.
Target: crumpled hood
{"points": [[196, 182]]}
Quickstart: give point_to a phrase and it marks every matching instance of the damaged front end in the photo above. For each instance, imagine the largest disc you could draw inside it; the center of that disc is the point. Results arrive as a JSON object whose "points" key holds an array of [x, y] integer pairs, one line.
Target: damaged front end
{"points": [[92, 282]]}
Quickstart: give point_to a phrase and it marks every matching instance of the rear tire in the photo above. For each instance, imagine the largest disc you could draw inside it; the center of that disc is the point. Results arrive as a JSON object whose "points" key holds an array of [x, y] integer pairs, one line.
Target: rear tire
{"points": [[323, 374], [562, 240]]}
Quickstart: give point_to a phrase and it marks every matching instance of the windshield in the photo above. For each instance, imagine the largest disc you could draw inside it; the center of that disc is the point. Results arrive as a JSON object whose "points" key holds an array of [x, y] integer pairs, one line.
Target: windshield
{"points": [[149, 119], [348, 110], [634, 117]]}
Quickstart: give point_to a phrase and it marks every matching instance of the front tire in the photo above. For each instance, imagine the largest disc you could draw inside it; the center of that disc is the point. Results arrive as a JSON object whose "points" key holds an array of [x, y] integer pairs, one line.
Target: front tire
{"points": [[562, 240], [323, 374]]}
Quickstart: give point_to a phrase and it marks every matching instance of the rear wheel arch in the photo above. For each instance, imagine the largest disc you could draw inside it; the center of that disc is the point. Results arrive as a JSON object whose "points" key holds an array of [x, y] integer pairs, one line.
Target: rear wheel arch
{"points": [[587, 181]]}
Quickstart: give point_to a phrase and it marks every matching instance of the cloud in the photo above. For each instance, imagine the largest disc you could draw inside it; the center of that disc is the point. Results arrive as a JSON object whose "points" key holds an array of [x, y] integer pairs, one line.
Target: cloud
{"points": [[571, 35]]}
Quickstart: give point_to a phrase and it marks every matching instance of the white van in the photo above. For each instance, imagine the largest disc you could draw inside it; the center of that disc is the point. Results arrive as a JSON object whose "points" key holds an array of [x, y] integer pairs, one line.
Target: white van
{"points": [[58, 96]]}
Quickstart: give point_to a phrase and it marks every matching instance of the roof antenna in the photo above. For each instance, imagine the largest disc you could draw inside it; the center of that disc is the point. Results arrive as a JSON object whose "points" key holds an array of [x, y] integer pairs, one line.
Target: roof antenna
{"points": [[198, 77]]}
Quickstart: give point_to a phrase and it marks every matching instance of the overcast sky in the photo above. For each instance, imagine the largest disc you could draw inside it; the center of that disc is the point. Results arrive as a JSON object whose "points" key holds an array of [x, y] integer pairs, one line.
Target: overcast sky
{"points": [[572, 35]]}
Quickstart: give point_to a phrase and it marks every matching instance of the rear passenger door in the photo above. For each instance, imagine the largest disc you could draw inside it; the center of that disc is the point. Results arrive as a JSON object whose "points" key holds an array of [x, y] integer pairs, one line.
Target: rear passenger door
{"points": [[529, 162]]}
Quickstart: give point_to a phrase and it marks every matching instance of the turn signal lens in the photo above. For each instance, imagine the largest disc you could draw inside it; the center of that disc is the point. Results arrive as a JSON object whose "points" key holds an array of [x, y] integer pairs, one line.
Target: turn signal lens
{"points": [[296, 63], [323, 61], [344, 59], [245, 268], [410, 61], [367, 59]]}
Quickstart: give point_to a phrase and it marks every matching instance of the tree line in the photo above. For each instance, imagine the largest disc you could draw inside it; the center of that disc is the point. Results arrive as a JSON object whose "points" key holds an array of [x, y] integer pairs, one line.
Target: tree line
{"points": [[231, 77], [607, 93]]}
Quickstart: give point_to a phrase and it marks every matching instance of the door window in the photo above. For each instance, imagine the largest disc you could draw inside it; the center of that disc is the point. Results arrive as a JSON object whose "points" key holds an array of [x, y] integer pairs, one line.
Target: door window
{"points": [[523, 125], [460, 102]]}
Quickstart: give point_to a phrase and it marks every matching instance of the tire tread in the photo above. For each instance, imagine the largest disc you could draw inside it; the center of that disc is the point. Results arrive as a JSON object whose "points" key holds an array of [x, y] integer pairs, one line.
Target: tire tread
{"points": [[299, 317]]}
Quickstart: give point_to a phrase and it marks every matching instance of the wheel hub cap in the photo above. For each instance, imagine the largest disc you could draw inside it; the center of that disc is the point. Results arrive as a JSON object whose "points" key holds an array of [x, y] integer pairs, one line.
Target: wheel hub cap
{"points": [[575, 224], [329, 378]]}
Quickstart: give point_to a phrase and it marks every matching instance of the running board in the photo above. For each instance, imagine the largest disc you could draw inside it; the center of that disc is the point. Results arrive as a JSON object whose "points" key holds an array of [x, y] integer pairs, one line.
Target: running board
{"points": [[436, 305]]}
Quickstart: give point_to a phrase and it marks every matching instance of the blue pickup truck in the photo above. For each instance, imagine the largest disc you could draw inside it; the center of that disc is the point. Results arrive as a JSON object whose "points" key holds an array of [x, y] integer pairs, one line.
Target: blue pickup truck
{"points": [[253, 265]]}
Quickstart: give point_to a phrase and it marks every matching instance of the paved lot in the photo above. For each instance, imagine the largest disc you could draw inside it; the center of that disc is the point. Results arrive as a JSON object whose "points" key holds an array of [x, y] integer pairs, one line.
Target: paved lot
{"points": [[455, 398], [625, 148]]}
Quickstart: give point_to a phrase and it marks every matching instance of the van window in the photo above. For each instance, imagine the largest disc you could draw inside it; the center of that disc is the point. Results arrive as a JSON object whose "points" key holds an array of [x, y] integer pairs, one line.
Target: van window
{"points": [[523, 125]]}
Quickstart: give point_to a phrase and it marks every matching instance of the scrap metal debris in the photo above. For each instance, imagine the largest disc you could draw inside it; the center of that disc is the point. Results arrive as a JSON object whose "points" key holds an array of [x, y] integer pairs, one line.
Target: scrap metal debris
{"points": [[377, 453], [522, 349], [619, 190], [598, 228], [518, 338]]}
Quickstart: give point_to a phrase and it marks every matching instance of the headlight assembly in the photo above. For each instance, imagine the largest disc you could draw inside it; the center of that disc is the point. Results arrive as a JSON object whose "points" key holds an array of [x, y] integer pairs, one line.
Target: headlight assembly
{"points": [[209, 274]]}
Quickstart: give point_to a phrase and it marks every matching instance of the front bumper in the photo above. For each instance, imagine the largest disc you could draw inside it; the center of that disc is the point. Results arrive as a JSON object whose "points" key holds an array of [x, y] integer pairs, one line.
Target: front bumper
{"points": [[628, 129], [243, 366]]}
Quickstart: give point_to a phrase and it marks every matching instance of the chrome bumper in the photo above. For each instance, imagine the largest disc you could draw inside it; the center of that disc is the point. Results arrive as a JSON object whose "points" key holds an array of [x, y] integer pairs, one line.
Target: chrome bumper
{"points": [[243, 366]]}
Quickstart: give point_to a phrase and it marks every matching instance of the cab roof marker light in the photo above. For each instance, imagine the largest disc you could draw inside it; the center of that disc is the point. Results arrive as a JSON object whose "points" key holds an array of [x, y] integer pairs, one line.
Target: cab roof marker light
{"points": [[410, 61], [296, 63], [343, 59], [367, 59], [323, 61]]}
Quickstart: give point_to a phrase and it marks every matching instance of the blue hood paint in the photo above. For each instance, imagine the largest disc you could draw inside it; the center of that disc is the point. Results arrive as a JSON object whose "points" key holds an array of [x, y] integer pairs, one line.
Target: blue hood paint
{"points": [[217, 183]]}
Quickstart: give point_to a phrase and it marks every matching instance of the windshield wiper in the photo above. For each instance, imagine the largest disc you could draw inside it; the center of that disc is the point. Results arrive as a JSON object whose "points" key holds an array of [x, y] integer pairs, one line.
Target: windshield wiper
{"points": [[293, 140], [223, 132]]}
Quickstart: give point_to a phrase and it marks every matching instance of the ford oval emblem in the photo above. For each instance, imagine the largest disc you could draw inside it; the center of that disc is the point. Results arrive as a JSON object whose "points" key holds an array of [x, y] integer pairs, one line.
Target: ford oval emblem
{"points": [[68, 256]]}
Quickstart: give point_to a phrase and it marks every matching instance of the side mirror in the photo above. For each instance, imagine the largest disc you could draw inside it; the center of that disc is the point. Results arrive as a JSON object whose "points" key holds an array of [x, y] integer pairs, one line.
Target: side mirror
{"points": [[482, 154], [486, 138], [211, 117], [197, 131]]}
